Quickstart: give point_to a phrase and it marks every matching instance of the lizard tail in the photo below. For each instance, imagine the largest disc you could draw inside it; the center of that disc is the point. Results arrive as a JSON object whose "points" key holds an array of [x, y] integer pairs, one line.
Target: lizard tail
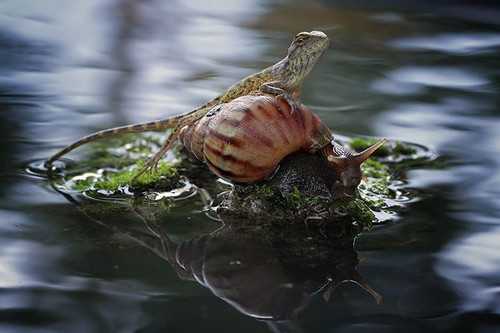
{"points": [[137, 128]]}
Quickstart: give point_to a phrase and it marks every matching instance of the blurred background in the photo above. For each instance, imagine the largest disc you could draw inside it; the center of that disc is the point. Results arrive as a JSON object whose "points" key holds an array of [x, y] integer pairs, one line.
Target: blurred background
{"points": [[426, 72]]}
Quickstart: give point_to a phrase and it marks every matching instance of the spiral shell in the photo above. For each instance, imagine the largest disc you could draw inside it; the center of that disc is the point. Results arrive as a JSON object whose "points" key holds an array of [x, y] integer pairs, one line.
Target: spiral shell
{"points": [[243, 141]]}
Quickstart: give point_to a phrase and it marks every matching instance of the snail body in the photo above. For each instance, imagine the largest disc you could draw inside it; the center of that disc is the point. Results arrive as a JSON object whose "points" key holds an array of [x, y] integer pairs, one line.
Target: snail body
{"points": [[245, 140]]}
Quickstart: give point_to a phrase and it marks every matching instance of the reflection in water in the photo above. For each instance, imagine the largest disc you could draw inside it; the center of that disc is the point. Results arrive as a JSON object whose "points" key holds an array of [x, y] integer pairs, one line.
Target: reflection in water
{"points": [[458, 43], [126, 24], [414, 80], [264, 271], [466, 263], [438, 77], [133, 21]]}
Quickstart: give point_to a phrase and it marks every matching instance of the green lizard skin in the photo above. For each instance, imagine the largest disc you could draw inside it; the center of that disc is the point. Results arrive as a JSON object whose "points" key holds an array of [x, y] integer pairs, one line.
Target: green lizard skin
{"points": [[283, 79]]}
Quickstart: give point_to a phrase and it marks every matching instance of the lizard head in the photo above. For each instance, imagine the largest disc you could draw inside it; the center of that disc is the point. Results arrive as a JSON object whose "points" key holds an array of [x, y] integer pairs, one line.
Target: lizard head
{"points": [[306, 49]]}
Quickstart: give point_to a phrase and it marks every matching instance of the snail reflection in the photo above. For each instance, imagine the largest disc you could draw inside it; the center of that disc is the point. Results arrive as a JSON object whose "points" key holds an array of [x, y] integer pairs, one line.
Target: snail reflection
{"points": [[265, 271]]}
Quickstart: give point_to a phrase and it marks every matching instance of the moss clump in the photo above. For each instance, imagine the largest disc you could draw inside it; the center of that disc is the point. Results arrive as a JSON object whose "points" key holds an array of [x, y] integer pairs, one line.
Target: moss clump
{"points": [[401, 148], [378, 186], [297, 200], [268, 203], [373, 201], [164, 171], [360, 211], [113, 163], [375, 169], [165, 177], [83, 182]]}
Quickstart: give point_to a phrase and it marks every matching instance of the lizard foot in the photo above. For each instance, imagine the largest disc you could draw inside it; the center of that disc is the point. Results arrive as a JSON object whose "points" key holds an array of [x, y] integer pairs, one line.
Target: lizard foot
{"points": [[144, 169], [290, 100], [272, 88], [152, 163]]}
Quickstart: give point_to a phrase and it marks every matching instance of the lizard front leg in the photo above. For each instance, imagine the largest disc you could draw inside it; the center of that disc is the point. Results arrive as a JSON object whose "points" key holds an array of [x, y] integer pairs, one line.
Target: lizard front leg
{"points": [[273, 88]]}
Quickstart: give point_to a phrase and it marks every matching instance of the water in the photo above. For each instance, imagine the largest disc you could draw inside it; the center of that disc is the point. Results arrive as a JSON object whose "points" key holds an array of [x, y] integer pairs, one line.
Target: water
{"points": [[424, 72]]}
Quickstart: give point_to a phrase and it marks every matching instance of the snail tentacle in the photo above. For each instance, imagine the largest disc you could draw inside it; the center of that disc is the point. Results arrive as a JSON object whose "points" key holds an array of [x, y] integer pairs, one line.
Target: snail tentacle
{"points": [[365, 154]]}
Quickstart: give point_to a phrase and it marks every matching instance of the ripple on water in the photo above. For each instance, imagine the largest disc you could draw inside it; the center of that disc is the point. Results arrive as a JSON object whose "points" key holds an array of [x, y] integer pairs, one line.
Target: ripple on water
{"points": [[453, 43], [37, 168], [469, 266], [410, 80]]}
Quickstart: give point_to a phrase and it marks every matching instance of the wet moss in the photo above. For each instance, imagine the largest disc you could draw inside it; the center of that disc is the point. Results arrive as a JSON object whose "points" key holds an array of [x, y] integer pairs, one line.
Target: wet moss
{"points": [[376, 187], [360, 211], [113, 165], [164, 172], [82, 182], [375, 169], [374, 202], [165, 177], [262, 201]]}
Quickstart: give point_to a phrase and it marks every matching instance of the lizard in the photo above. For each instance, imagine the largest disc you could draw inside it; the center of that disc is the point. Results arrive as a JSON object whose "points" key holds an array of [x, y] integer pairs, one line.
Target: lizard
{"points": [[283, 79]]}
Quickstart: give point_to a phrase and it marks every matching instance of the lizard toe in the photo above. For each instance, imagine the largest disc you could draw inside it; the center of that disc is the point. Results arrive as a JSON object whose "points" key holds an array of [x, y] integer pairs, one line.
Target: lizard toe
{"points": [[290, 100]]}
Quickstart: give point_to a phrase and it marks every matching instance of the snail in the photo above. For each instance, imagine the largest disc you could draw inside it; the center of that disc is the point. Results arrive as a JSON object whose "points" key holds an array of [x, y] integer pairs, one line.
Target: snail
{"points": [[245, 140]]}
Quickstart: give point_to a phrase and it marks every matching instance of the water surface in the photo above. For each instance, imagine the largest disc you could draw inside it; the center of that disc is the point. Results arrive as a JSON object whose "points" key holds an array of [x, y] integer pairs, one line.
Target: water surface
{"points": [[423, 72]]}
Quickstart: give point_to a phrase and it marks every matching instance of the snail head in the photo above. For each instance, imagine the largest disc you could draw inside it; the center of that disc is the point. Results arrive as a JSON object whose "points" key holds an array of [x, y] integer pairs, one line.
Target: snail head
{"points": [[348, 164]]}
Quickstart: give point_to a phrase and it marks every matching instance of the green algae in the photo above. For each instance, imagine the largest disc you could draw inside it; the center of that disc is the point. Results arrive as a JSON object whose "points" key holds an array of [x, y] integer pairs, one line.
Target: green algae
{"points": [[375, 169], [164, 177], [165, 172], [113, 163], [267, 202]]}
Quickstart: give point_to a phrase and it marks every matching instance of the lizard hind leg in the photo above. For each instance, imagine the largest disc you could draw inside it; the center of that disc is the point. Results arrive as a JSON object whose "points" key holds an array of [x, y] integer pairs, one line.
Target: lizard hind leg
{"points": [[187, 119], [153, 161]]}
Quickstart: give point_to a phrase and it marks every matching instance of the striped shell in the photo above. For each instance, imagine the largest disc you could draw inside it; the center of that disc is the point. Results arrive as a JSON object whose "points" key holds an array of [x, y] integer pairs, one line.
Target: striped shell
{"points": [[244, 140]]}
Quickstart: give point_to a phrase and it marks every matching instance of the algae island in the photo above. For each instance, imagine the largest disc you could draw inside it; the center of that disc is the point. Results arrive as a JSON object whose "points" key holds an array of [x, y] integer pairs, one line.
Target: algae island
{"points": [[109, 167]]}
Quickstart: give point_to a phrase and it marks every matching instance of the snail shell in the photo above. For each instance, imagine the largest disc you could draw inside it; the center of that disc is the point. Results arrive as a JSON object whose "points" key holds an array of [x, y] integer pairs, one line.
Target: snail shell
{"points": [[243, 141]]}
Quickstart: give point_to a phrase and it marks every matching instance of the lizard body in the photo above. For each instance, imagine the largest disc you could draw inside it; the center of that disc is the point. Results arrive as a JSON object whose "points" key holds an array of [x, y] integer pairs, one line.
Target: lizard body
{"points": [[282, 79]]}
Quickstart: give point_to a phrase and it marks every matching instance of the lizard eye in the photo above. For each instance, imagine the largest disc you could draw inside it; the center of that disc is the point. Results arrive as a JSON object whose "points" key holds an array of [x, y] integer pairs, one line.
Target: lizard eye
{"points": [[301, 40]]}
